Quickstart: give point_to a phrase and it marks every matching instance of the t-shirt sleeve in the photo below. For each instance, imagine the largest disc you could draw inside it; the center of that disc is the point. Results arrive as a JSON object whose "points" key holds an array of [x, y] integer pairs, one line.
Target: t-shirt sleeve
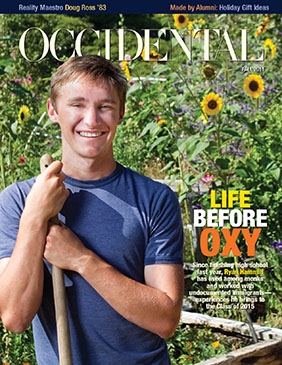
{"points": [[11, 206], [165, 244]]}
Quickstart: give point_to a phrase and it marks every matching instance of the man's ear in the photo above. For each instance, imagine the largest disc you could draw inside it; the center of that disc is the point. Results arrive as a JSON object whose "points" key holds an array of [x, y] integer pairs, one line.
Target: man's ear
{"points": [[121, 115], [52, 112]]}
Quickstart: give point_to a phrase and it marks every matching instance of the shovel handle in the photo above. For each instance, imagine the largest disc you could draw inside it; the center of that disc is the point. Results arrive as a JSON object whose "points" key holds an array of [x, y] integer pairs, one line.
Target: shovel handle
{"points": [[62, 323]]}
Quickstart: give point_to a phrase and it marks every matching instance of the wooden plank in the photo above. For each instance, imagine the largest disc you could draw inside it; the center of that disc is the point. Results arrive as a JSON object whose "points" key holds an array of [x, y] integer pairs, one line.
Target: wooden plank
{"points": [[262, 353], [229, 325], [267, 351]]}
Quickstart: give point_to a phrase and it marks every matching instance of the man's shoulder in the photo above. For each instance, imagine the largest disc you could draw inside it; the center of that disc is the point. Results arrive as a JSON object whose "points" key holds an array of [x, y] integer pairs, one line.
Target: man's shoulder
{"points": [[148, 181], [145, 180], [17, 189], [147, 185]]}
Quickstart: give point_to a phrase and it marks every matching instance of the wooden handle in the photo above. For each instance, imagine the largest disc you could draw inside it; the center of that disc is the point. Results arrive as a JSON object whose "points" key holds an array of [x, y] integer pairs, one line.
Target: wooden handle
{"points": [[45, 161], [62, 323]]}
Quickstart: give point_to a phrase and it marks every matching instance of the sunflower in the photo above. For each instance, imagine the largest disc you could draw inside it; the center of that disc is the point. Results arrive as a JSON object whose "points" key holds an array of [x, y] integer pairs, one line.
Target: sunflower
{"points": [[153, 56], [253, 85], [24, 114], [180, 20], [262, 28], [269, 44], [212, 104], [209, 71], [124, 67], [162, 122], [196, 24]]}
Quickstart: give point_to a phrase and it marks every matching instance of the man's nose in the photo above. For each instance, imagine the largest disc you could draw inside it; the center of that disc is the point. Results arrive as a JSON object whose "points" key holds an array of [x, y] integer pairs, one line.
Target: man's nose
{"points": [[92, 117]]}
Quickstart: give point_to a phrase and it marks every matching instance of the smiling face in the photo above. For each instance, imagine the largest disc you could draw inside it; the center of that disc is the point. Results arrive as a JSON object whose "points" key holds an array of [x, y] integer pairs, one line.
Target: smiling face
{"points": [[88, 113]]}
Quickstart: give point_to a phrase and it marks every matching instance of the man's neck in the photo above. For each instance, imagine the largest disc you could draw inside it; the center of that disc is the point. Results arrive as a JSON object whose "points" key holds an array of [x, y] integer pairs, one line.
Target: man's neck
{"points": [[88, 169]]}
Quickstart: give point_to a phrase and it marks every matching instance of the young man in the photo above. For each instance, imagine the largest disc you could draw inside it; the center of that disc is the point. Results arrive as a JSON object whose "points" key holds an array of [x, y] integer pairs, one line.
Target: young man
{"points": [[119, 244]]}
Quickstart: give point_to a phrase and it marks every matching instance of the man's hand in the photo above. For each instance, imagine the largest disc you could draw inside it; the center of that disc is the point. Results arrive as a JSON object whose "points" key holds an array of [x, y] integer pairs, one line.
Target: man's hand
{"points": [[48, 194], [63, 248]]}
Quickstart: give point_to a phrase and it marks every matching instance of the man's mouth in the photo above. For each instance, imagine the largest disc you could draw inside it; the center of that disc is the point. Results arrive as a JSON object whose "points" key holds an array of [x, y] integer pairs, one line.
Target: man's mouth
{"points": [[90, 134]]}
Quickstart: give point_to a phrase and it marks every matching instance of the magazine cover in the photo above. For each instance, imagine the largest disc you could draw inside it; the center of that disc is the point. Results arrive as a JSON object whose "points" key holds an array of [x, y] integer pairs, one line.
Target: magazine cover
{"points": [[203, 116]]}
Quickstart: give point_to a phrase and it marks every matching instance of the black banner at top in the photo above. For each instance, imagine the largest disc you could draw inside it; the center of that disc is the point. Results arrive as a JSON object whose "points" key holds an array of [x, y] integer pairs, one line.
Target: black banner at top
{"points": [[139, 7]]}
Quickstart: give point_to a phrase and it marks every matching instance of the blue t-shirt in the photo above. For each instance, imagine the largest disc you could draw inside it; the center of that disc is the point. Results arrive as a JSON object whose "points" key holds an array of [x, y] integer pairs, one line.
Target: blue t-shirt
{"points": [[130, 221]]}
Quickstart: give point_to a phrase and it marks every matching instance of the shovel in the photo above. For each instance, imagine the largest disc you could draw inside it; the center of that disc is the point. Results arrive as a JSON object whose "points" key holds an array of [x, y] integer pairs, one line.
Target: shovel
{"points": [[63, 333]]}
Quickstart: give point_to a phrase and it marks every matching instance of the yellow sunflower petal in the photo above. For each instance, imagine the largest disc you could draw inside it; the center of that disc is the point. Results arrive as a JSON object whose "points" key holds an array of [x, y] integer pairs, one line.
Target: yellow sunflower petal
{"points": [[269, 44], [24, 114], [180, 20], [212, 104], [161, 122], [254, 85]]}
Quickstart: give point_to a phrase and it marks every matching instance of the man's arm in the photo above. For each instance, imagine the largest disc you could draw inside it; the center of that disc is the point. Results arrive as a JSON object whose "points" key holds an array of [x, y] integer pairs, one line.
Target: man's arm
{"points": [[155, 305], [21, 276]]}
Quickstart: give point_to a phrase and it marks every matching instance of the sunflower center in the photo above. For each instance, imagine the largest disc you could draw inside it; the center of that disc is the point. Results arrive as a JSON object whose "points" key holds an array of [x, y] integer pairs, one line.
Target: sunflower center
{"points": [[212, 104], [209, 72], [22, 116], [181, 19], [253, 86]]}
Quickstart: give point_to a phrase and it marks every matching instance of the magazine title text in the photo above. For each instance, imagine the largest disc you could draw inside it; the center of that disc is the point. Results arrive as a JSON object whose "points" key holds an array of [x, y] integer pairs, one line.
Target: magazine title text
{"points": [[214, 42]]}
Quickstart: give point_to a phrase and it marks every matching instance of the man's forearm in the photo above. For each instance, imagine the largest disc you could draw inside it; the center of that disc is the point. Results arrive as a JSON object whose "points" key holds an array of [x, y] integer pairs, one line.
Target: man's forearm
{"points": [[146, 306], [22, 277]]}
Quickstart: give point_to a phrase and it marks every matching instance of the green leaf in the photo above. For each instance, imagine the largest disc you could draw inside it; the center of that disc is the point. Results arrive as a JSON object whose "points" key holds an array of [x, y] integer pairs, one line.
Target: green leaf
{"points": [[158, 141], [150, 127], [241, 172], [198, 148], [276, 173], [223, 163], [231, 132], [18, 89], [192, 146], [14, 127]]}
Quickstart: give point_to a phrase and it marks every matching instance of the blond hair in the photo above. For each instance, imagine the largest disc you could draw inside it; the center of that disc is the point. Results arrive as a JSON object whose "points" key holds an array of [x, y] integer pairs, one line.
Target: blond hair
{"points": [[94, 67]]}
